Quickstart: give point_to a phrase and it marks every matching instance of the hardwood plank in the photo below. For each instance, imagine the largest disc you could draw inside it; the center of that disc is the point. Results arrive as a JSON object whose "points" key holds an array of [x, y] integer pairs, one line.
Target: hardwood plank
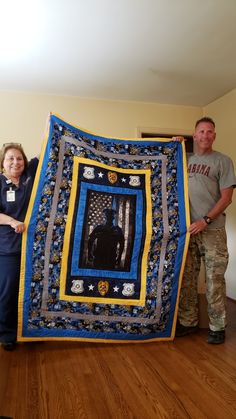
{"points": [[187, 378]]}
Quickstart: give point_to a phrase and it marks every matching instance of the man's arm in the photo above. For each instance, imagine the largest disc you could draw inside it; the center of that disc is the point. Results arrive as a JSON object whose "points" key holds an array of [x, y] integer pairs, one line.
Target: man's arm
{"points": [[91, 240], [224, 201], [121, 242]]}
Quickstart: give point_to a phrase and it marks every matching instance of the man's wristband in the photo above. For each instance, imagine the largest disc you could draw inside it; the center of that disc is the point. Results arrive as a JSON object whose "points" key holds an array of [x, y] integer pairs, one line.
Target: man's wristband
{"points": [[207, 219]]}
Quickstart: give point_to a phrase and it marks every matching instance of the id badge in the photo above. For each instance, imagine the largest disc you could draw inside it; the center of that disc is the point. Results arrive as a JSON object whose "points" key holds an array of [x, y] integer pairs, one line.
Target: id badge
{"points": [[11, 197]]}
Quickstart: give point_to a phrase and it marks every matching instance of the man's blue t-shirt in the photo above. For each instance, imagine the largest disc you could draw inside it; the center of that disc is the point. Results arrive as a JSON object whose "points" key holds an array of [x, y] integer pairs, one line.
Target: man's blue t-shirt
{"points": [[10, 242]]}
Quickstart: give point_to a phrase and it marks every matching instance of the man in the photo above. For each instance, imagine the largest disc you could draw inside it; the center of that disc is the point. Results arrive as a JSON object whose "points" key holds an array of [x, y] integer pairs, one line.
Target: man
{"points": [[106, 243], [211, 181]]}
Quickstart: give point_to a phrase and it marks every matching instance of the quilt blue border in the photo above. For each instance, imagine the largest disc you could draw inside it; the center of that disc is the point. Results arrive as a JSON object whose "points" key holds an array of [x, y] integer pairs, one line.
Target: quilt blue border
{"points": [[31, 332]]}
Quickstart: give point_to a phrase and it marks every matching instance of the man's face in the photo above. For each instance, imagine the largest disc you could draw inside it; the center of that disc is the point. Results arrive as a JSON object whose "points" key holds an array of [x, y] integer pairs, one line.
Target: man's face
{"points": [[109, 218], [204, 136]]}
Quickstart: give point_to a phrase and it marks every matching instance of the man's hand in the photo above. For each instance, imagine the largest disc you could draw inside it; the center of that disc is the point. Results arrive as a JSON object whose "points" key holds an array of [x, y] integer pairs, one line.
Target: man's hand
{"points": [[178, 139], [90, 257], [197, 227]]}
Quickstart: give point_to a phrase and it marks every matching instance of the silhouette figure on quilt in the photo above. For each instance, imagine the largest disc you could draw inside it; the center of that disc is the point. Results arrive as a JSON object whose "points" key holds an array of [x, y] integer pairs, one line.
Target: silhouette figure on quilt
{"points": [[106, 243]]}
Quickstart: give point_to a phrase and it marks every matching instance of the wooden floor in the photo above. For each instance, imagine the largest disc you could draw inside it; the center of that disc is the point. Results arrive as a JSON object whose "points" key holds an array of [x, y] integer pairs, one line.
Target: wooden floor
{"points": [[187, 378]]}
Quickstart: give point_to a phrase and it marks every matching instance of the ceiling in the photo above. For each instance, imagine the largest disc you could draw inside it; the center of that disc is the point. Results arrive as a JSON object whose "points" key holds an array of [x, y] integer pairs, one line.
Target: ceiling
{"points": [[165, 51]]}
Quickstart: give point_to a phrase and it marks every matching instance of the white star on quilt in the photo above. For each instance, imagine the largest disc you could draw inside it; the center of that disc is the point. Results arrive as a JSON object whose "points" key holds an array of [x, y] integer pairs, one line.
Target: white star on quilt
{"points": [[123, 180], [91, 287], [100, 174], [116, 289]]}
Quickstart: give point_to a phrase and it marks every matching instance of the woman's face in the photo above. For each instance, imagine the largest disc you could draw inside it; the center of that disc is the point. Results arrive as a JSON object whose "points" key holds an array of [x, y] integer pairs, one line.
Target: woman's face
{"points": [[13, 163]]}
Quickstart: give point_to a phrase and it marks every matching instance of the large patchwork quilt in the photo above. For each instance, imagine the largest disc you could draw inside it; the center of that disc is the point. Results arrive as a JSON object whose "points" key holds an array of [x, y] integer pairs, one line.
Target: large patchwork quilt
{"points": [[104, 251]]}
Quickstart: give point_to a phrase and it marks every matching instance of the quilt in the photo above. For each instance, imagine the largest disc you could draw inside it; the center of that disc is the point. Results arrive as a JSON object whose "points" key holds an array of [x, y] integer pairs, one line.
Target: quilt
{"points": [[106, 239]]}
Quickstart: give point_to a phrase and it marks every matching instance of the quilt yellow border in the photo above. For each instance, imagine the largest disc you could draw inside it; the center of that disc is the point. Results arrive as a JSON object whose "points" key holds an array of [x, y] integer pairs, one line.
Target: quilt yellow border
{"points": [[63, 296]]}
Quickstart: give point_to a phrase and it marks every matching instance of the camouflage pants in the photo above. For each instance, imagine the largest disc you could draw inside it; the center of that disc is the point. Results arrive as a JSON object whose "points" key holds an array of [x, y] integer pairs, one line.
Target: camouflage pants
{"points": [[211, 246]]}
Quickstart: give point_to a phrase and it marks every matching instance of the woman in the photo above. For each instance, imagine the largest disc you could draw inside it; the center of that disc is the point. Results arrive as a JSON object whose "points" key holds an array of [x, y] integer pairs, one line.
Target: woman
{"points": [[16, 181]]}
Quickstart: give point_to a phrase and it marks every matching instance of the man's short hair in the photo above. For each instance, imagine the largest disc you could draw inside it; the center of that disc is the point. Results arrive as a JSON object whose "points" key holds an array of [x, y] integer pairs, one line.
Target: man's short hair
{"points": [[205, 119]]}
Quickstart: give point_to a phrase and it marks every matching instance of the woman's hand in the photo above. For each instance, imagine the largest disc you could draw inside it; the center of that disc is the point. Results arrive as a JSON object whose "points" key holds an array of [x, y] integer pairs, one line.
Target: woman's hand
{"points": [[18, 226]]}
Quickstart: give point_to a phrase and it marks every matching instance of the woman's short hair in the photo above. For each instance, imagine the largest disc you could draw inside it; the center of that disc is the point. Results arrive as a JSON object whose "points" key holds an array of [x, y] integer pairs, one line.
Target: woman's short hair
{"points": [[8, 146]]}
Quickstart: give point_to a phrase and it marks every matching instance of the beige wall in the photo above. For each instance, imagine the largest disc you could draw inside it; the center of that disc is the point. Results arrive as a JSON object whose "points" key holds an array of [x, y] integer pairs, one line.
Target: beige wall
{"points": [[23, 117], [223, 112]]}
